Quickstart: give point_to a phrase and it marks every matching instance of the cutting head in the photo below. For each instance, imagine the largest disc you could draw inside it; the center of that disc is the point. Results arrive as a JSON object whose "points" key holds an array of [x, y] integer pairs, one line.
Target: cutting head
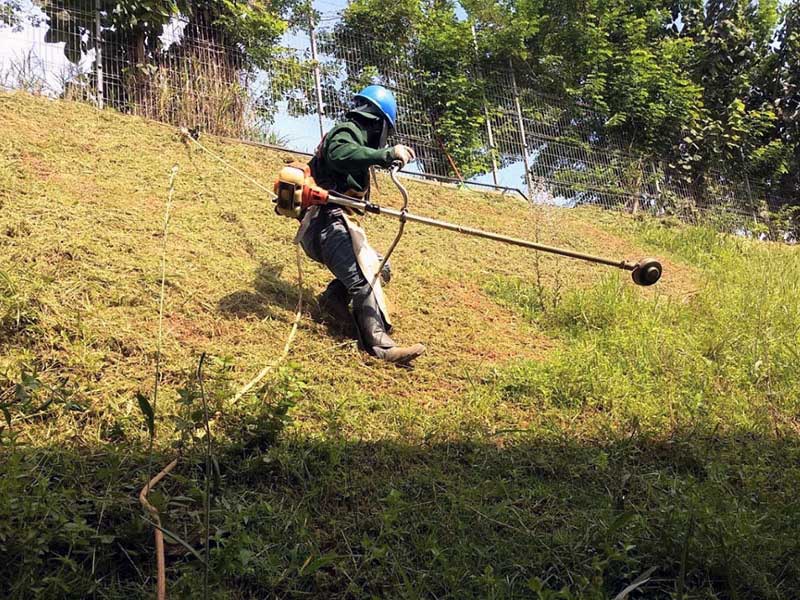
{"points": [[647, 272]]}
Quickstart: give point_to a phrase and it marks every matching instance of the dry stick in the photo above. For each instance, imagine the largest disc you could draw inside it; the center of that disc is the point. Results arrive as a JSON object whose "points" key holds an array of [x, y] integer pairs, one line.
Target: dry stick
{"points": [[97, 531], [130, 560], [32, 416], [450, 160], [207, 500], [161, 586], [161, 296], [159, 536], [298, 315]]}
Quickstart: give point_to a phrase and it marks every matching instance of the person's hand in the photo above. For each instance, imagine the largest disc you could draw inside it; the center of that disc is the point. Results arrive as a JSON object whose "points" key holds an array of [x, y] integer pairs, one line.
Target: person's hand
{"points": [[403, 154]]}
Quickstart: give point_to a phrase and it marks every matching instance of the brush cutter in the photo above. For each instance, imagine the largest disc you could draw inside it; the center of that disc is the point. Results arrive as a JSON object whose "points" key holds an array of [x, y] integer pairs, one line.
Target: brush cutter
{"points": [[296, 190]]}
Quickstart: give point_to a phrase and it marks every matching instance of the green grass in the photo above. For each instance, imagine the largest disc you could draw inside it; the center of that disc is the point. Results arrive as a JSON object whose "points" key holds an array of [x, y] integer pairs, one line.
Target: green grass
{"points": [[566, 434], [711, 377]]}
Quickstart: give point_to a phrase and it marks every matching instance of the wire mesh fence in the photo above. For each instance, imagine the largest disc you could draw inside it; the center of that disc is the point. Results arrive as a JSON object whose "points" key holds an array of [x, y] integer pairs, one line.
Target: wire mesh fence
{"points": [[191, 75]]}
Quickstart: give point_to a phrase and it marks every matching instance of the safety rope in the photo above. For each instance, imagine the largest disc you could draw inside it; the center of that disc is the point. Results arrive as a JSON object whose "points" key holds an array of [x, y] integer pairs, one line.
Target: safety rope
{"points": [[298, 310], [263, 373], [187, 135]]}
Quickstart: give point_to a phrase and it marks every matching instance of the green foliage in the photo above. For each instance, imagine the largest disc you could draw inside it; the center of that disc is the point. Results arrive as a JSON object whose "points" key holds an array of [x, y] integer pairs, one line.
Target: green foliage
{"points": [[784, 89], [615, 56], [267, 412], [147, 411], [47, 527], [249, 32], [708, 364], [705, 86], [736, 339], [136, 25], [11, 14]]}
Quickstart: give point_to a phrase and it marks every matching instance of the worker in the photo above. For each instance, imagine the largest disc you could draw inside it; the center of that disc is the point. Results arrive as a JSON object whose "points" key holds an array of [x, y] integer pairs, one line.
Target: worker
{"points": [[330, 235]]}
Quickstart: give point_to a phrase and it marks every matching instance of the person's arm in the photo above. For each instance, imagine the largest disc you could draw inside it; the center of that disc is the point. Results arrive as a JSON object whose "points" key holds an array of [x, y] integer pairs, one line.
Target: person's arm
{"points": [[345, 153]]}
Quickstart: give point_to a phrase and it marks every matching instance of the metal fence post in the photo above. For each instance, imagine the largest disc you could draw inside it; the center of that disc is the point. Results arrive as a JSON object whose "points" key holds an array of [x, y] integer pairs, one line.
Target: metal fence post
{"points": [[521, 125], [659, 205], [312, 33], [489, 134], [753, 206], [98, 55]]}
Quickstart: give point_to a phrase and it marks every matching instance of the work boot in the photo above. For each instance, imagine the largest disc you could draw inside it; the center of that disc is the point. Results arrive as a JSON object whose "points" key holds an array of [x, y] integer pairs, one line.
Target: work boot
{"points": [[374, 339], [400, 355]]}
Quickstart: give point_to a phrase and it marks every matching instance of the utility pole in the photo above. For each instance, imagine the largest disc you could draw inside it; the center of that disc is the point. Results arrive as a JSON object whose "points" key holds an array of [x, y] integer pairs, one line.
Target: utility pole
{"points": [[98, 55], [489, 134], [312, 33], [521, 125]]}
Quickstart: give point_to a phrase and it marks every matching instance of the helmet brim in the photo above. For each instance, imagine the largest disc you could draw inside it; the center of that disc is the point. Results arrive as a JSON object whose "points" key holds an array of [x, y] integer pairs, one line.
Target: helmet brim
{"points": [[372, 102]]}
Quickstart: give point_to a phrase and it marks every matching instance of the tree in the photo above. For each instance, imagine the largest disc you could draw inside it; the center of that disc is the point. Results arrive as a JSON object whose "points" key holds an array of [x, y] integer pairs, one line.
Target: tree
{"points": [[730, 42], [12, 14], [704, 85], [778, 83]]}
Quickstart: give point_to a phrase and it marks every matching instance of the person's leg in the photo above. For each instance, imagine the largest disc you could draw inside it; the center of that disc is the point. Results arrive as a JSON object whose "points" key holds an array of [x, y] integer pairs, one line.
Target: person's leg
{"points": [[339, 257], [334, 304]]}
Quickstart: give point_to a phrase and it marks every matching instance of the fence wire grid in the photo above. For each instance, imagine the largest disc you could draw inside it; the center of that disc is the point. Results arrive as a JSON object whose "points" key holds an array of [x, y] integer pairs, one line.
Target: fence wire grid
{"points": [[191, 76]]}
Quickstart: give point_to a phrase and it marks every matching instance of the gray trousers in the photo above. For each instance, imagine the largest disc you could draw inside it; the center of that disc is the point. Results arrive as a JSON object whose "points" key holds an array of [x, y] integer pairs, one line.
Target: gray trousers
{"points": [[327, 241]]}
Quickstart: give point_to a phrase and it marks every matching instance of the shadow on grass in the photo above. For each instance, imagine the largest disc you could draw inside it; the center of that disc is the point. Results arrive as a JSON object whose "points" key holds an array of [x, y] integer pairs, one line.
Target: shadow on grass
{"points": [[269, 291], [330, 518]]}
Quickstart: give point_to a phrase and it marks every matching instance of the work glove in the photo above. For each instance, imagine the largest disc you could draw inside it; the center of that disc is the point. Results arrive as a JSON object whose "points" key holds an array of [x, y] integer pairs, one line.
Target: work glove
{"points": [[403, 154]]}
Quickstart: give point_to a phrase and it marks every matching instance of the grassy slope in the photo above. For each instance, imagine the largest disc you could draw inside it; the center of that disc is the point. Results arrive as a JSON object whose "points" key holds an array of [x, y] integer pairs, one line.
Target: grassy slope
{"points": [[570, 434]]}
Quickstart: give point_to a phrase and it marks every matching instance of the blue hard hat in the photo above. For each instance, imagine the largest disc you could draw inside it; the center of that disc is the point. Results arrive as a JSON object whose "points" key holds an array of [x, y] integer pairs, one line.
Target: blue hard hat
{"points": [[382, 99]]}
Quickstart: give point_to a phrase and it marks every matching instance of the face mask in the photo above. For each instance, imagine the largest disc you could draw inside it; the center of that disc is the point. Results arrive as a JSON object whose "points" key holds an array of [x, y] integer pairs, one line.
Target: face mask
{"points": [[377, 130], [384, 135], [378, 134]]}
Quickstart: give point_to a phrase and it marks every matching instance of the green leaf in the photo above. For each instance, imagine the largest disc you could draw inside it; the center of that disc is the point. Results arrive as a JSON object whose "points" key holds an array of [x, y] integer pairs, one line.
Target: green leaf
{"points": [[147, 411], [311, 565]]}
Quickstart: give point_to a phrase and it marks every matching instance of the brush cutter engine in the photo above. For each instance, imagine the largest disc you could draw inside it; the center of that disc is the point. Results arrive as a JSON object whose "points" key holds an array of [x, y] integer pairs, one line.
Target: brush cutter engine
{"points": [[296, 190]]}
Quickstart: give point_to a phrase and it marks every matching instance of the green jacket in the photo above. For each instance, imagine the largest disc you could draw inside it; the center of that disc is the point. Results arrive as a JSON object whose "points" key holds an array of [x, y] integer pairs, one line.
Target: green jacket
{"points": [[343, 158]]}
